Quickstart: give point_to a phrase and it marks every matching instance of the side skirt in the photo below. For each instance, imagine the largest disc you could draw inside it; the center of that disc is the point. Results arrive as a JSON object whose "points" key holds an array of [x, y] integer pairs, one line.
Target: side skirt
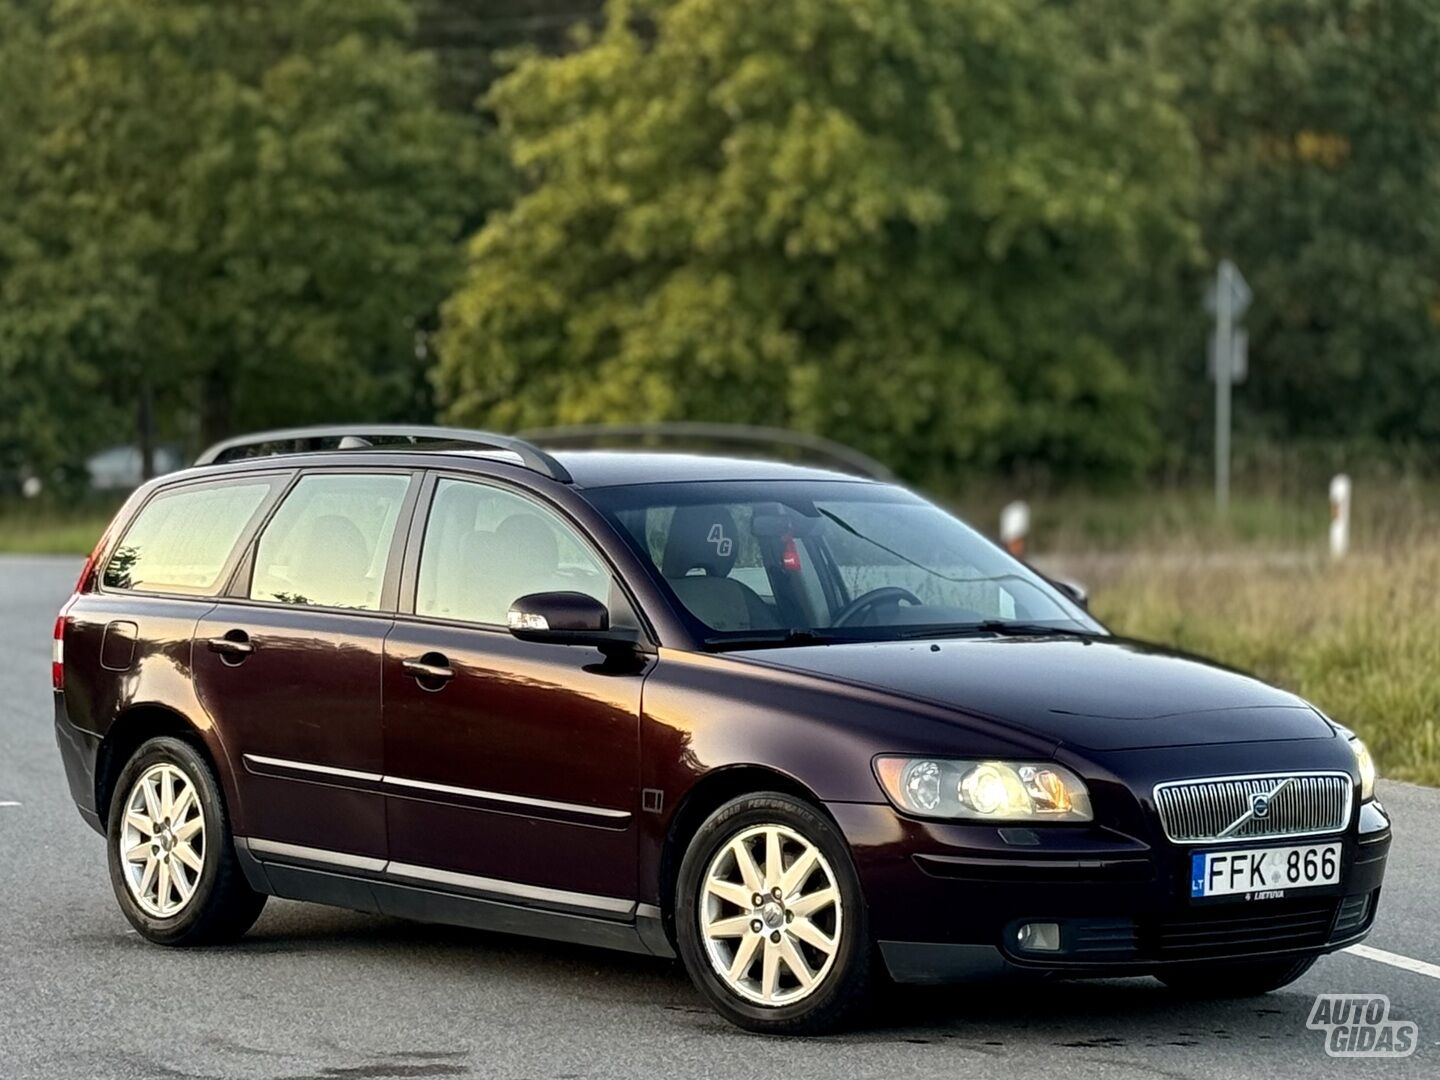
{"points": [[366, 888]]}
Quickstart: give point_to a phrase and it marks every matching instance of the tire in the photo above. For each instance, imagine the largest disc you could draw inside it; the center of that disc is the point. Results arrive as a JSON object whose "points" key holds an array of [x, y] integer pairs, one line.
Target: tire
{"points": [[768, 996], [1236, 980], [219, 905]]}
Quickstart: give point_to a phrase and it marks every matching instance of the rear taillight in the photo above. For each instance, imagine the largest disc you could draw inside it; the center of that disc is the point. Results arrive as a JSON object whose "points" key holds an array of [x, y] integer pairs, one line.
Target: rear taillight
{"points": [[57, 653]]}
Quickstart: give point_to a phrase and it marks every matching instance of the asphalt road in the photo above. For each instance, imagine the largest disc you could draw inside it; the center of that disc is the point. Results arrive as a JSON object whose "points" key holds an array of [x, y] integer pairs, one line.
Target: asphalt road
{"points": [[315, 992]]}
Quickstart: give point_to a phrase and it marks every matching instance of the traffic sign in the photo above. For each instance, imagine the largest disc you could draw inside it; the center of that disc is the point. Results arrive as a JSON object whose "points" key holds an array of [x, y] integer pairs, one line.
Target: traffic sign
{"points": [[1239, 290]]}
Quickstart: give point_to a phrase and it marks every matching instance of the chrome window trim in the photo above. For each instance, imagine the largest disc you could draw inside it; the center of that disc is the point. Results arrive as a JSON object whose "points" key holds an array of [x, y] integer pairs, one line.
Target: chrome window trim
{"points": [[1315, 773]]}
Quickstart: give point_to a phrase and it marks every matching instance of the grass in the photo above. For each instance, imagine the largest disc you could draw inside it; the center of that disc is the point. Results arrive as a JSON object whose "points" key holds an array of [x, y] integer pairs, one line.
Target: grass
{"points": [[1360, 639], [40, 529]]}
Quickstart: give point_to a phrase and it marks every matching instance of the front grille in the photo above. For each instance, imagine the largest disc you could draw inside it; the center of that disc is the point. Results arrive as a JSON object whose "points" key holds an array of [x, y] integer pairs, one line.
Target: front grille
{"points": [[1207, 933], [1222, 809]]}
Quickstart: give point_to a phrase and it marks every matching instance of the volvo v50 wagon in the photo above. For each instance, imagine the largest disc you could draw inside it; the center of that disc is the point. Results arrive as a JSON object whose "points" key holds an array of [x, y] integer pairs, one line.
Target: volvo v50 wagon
{"points": [[804, 730]]}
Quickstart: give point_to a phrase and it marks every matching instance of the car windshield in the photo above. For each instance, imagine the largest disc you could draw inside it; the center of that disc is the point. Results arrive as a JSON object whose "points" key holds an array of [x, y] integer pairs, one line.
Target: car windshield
{"points": [[784, 562]]}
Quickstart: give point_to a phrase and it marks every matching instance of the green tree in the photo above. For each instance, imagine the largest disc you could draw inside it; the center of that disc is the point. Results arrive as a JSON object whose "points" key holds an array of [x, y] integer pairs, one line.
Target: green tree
{"points": [[37, 386], [243, 213], [897, 222], [1319, 122]]}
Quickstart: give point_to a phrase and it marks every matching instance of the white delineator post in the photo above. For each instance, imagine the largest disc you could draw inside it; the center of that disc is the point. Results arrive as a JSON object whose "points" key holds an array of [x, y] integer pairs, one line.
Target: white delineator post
{"points": [[1339, 516], [1015, 527]]}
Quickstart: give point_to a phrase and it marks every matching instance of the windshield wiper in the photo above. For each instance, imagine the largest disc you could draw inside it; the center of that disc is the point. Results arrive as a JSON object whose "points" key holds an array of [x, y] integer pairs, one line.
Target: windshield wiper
{"points": [[772, 639], [1002, 628]]}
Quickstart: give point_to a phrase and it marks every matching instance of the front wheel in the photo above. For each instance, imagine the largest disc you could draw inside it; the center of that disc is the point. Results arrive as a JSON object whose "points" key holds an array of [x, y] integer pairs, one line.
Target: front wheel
{"points": [[172, 860], [1249, 979], [770, 920]]}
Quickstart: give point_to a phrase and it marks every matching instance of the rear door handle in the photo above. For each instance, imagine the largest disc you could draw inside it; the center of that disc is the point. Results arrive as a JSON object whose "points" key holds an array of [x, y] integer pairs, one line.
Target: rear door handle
{"points": [[430, 668], [234, 647]]}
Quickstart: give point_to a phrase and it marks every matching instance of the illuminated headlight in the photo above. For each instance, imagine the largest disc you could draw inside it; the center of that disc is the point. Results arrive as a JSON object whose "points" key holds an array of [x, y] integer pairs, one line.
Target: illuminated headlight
{"points": [[1366, 764], [984, 790]]}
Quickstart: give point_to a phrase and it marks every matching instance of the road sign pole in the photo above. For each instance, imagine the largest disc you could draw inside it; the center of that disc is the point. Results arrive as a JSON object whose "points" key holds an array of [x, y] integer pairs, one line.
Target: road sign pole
{"points": [[1224, 355]]}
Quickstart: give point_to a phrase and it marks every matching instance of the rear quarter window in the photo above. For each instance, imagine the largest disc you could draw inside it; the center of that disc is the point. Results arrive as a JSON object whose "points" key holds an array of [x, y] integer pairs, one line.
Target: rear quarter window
{"points": [[182, 539]]}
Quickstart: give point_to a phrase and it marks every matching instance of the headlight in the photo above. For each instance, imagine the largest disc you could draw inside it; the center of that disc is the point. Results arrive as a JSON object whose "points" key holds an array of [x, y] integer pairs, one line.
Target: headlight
{"points": [[984, 790], [1366, 765]]}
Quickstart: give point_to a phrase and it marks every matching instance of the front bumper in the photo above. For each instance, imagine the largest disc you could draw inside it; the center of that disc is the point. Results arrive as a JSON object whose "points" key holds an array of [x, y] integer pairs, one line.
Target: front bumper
{"points": [[946, 900]]}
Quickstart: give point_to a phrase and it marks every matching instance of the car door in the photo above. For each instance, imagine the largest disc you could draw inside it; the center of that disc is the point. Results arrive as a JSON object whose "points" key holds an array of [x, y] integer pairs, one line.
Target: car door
{"points": [[289, 666], [511, 767]]}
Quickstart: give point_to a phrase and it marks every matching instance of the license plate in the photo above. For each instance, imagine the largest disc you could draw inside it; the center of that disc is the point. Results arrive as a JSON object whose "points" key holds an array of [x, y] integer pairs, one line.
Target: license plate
{"points": [[1261, 873]]}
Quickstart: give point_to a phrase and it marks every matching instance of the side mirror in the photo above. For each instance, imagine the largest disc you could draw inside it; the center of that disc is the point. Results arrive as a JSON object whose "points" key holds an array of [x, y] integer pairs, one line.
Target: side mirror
{"points": [[566, 618], [1075, 591]]}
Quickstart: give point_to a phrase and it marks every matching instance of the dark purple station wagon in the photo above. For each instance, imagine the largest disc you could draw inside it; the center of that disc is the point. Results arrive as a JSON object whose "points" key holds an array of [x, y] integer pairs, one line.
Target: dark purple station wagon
{"points": [[804, 730]]}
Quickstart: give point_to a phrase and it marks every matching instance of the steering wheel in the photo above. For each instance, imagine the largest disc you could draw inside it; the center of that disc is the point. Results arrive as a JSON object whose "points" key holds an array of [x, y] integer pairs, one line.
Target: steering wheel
{"points": [[867, 602]]}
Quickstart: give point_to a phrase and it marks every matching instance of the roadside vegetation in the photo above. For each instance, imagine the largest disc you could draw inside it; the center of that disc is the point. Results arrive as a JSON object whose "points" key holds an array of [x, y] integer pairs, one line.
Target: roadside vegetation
{"points": [[32, 528], [1360, 639]]}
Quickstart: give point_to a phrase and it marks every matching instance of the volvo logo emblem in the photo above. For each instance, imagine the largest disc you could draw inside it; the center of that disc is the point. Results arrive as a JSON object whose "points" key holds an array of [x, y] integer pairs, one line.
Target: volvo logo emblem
{"points": [[1258, 804]]}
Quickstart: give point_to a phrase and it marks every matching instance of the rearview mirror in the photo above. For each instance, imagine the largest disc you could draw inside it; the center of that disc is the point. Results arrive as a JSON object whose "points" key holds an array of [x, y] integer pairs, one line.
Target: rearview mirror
{"points": [[565, 618]]}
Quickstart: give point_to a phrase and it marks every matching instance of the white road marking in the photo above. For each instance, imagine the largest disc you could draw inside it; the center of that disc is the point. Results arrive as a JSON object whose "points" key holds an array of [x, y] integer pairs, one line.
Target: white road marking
{"points": [[8, 802], [1404, 963]]}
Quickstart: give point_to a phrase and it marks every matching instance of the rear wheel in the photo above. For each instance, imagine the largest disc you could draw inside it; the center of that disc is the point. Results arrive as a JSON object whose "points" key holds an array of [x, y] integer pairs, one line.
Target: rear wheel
{"points": [[172, 858], [770, 920], [1236, 980]]}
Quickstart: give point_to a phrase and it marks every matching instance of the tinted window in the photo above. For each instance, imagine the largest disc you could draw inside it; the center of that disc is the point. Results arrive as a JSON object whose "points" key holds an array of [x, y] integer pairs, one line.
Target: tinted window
{"points": [[485, 548], [329, 541], [182, 539]]}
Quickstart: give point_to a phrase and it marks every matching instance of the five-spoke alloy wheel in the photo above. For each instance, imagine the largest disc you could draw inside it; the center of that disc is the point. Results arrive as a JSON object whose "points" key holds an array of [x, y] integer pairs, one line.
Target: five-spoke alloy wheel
{"points": [[172, 859], [769, 917]]}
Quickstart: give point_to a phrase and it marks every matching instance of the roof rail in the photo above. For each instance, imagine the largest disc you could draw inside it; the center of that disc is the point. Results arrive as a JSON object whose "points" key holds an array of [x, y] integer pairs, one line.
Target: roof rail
{"points": [[358, 436], [853, 460]]}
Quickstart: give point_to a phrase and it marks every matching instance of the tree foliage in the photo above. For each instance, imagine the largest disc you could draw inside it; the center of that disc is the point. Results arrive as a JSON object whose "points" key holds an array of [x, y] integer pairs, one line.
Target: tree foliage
{"points": [[896, 222], [247, 210], [1320, 127]]}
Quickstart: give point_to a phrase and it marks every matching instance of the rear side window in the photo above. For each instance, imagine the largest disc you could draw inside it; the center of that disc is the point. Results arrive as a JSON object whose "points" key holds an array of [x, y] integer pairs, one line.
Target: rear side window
{"points": [[182, 539], [329, 542]]}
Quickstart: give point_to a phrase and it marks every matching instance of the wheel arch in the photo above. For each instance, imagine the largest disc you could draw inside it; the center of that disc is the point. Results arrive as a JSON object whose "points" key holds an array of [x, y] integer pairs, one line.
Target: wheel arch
{"points": [[708, 794], [131, 729]]}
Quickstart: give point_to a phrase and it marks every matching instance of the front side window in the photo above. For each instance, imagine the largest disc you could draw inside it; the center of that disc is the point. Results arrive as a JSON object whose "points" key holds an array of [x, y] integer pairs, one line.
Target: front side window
{"points": [[486, 547], [183, 538], [828, 559], [329, 542]]}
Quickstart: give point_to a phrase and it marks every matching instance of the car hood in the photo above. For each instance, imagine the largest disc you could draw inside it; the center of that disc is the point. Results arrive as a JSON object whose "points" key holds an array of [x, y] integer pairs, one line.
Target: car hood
{"points": [[1098, 693]]}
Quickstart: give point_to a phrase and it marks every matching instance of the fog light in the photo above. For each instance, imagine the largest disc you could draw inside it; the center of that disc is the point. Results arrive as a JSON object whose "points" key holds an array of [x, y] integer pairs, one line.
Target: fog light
{"points": [[1039, 937]]}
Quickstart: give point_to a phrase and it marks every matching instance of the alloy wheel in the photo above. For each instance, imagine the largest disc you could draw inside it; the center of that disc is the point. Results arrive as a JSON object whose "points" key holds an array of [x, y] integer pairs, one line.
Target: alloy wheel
{"points": [[770, 915], [162, 841]]}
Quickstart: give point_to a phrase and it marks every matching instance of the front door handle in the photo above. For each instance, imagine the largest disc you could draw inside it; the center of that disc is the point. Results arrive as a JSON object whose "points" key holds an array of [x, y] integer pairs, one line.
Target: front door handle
{"points": [[233, 647], [430, 668]]}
